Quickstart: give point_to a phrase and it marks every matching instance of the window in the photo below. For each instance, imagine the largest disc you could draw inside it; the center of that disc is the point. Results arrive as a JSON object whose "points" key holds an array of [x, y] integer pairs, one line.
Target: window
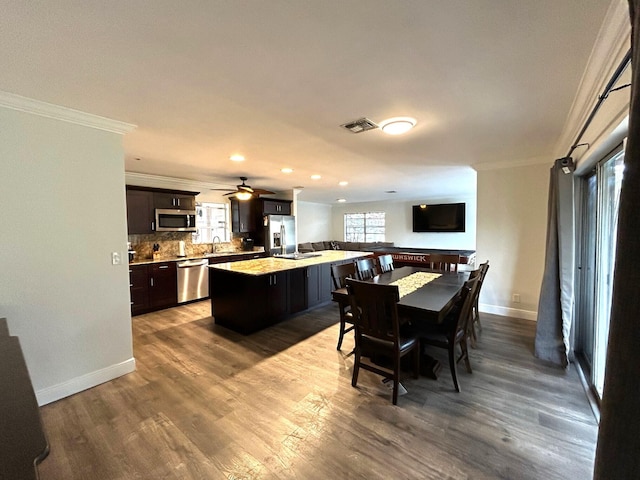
{"points": [[212, 220], [364, 227], [600, 198]]}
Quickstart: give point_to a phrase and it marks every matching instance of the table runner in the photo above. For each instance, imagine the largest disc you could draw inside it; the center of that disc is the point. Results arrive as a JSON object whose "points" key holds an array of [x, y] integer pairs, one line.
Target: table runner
{"points": [[413, 282]]}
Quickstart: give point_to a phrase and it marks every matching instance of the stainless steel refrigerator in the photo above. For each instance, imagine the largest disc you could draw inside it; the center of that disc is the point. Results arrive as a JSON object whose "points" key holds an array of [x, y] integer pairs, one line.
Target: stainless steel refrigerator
{"points": [[279, 234]]}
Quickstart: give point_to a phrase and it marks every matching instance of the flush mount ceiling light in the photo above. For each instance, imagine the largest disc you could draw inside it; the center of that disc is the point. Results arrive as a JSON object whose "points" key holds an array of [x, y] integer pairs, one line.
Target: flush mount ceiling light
{"points": [[316, 177], [287, 170], [342, 200], [236, 158], [397, 125], [343, 183]]}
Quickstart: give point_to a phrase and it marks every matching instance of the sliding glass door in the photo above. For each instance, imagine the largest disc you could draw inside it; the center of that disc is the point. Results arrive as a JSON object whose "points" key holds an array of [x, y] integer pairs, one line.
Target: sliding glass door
{"points": [[601, 193]]}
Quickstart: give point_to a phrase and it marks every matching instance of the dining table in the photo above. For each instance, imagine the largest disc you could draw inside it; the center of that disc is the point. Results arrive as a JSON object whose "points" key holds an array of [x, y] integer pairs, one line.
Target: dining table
{"points": [[425, 296]]}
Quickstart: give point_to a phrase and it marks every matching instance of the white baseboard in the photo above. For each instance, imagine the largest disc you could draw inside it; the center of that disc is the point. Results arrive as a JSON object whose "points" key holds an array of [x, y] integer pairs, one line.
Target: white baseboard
{"points": [[78, 384], [508, 312]]}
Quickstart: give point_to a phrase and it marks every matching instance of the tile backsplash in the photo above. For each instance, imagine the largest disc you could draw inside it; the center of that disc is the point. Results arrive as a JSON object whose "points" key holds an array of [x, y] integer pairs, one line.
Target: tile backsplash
{"points": [[169, 245]]}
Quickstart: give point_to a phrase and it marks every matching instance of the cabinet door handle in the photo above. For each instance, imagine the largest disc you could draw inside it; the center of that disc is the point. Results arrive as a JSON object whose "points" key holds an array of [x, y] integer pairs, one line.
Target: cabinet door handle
{"points": [[162, 267], [130, 285], [152, 281], [275, 280], [153, 225]]}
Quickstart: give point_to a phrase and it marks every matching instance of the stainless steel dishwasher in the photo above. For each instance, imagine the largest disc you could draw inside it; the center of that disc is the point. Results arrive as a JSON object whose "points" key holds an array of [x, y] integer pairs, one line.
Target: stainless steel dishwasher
{"points": [[193, 280]]}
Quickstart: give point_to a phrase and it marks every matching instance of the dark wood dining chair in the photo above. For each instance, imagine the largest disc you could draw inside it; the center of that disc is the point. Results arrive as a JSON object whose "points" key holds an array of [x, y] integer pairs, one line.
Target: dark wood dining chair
{"points": [[378, 331], [366, 268], [475, 312], [339, 275], [444, 262], [454, 329], [386, 263]]}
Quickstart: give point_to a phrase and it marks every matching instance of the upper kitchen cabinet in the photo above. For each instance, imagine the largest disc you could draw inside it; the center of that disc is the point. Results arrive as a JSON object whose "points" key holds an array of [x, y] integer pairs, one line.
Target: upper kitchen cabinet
{"points": [[242, 216], [177, 200], [274, 207], [143, 201], [140, 212]]}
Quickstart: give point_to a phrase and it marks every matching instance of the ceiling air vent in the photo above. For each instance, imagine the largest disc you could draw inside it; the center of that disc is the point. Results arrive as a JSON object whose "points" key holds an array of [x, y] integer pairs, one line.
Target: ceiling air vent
{"points": [[361, 125]]}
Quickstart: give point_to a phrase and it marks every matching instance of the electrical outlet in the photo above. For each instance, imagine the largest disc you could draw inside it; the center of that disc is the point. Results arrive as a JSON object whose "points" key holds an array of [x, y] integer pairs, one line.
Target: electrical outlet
{"points": [[115, 258], [515, 298]]}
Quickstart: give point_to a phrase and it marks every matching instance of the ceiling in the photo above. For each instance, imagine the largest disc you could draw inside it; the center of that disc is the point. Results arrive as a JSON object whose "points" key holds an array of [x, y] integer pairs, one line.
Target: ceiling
{"points": [[487, 80]]}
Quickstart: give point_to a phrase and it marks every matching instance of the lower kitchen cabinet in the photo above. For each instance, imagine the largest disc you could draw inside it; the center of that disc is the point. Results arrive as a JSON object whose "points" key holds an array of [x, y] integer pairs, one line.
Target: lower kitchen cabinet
{"points": [[247, 303], [139, 289], [163, 285], [153, 287], [318, 284]]}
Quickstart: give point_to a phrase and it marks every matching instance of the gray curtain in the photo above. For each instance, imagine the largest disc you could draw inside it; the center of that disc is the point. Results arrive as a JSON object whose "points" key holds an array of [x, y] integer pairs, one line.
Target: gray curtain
{"points": [[618, 451], [555, 308]]}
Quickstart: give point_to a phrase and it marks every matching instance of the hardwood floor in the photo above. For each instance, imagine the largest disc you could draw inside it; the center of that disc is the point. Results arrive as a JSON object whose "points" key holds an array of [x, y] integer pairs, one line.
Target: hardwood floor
{"points": [[207, 403]]}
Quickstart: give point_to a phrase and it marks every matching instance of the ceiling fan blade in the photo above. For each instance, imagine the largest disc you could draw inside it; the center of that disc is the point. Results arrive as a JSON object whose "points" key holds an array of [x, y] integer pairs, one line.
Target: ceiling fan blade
{"points": [[261, 191], [246, 188], [222, 189]]}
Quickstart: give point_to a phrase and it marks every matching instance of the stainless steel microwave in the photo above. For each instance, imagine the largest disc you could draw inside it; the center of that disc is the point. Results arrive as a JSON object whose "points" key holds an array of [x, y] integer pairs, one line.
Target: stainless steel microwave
{"points": [[169, 220]]}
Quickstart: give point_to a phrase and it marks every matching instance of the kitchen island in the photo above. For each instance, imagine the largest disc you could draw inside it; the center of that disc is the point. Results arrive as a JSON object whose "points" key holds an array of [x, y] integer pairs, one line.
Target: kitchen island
{"points": [[249, 295]]}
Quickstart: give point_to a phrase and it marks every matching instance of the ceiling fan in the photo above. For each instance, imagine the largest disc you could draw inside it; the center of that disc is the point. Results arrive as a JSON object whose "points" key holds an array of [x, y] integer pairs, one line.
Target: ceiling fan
{"points": [[244, 191]]}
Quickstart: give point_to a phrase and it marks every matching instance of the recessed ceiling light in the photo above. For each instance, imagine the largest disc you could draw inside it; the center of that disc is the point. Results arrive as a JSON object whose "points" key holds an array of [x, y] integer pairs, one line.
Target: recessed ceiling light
{"points": [[316, 177], [343, 183], [287, 170], [236, 158], [342, 200], [397, 125]]}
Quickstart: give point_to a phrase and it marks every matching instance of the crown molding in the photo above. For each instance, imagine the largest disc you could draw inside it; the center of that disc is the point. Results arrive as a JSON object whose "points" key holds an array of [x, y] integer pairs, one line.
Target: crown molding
{"points": [[160, 181], [611, 45], [512, 163], [49, 110]]}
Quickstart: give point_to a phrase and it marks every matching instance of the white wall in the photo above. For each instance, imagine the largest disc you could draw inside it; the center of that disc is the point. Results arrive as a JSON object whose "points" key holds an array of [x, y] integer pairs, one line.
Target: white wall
{"points": [[398, 221], [512, 216], [63, 213], [314, 222]]}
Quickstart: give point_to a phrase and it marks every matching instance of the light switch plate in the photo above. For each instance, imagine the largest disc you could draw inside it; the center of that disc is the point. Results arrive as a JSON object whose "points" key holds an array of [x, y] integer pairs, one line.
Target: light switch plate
{"points": [[115, 258]]}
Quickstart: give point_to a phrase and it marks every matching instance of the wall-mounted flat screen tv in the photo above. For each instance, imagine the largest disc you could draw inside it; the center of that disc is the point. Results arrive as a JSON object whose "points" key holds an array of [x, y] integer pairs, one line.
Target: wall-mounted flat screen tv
{"points": [[443, 217]]}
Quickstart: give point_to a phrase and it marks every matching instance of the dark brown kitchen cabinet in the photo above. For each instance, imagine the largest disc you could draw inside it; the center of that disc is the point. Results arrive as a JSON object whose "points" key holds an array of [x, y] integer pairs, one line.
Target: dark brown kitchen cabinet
{"points": [[140, 212], [242, 216], [143, 201], [298, 290], [275, 207], [153, 287], [247, 303], [163, 285], [318, 281], [139, 289], [177, 200]]}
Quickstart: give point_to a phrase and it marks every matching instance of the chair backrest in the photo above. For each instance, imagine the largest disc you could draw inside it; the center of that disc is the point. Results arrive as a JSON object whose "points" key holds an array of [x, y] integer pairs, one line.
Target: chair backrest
{"points": [[386, 263], [463, 306], [484, 268], [470, 292], [444, 262], [366, 268], [375, 309], [339, 273]]}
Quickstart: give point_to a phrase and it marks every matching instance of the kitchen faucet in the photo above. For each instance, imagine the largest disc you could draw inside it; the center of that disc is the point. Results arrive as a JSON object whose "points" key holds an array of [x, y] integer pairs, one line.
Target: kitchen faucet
{"points": [[214, 249]]}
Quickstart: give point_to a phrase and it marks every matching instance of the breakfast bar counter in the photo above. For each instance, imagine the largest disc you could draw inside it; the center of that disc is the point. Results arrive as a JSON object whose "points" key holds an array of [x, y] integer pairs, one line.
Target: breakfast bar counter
{"points": [[268, 265], [249, 295]]}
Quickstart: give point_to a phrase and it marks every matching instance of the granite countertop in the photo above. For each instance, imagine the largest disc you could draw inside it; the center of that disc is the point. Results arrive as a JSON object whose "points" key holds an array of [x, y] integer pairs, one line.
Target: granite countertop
{"points": [[265, 266], [196, 257]]}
